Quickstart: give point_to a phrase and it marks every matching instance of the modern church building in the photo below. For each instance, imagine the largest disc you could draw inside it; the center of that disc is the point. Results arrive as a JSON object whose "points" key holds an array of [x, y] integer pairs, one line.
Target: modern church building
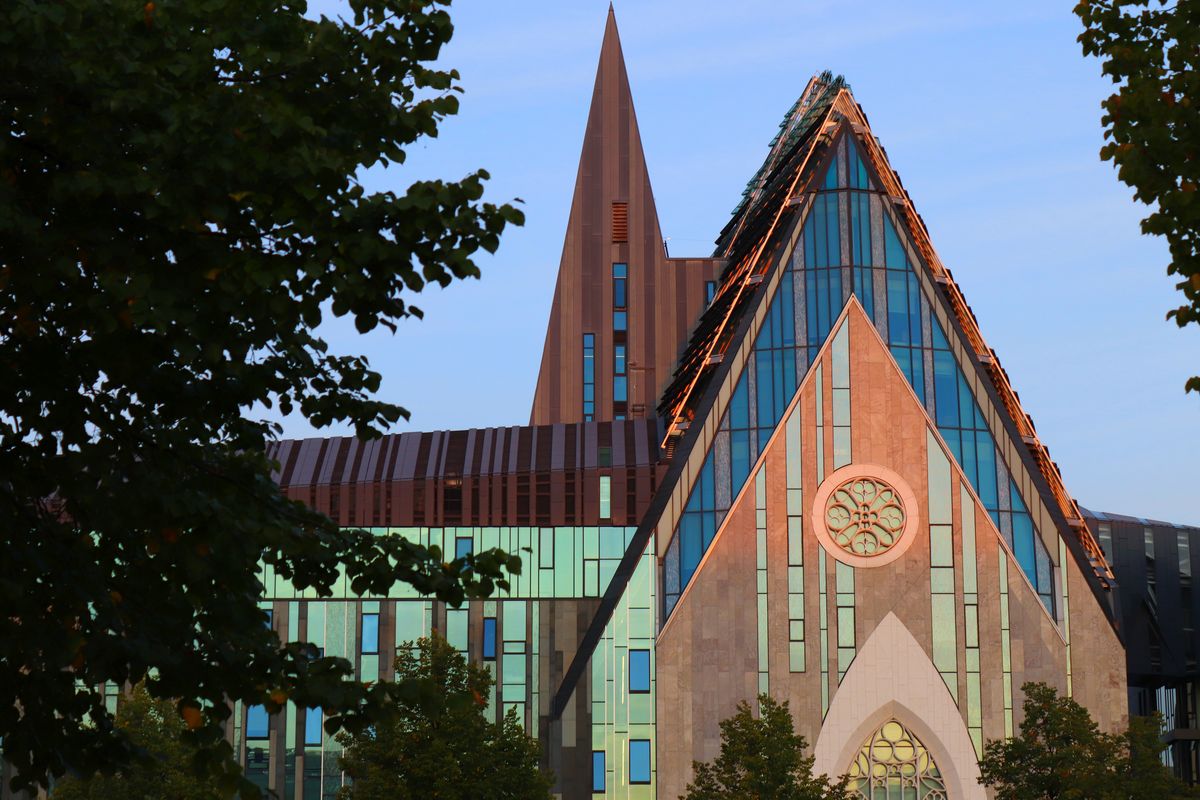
{"points": [[793, 467]]}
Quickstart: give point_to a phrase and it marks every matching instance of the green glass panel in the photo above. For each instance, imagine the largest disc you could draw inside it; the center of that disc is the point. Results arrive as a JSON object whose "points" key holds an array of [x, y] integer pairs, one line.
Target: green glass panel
{"points": [[939, 483]]}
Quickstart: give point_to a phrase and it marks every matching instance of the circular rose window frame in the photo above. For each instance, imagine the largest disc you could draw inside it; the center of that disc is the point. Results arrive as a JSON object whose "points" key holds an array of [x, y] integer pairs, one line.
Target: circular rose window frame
{"points": [[912, 514]]}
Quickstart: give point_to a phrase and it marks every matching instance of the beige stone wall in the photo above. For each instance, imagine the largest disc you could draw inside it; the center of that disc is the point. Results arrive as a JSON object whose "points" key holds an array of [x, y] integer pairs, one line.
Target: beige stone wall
{"points": [[707, 654]]}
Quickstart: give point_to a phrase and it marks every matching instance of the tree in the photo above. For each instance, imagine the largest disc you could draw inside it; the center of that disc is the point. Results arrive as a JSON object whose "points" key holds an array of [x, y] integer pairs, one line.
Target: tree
{"points": [[179, 210], [762, 758], [1151, 50], [165, 770], [1060, 752], [439, 745]]}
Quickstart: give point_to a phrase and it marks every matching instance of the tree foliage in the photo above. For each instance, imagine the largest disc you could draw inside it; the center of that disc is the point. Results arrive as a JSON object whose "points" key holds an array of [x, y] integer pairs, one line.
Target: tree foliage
{"points": [[163, 770], [762, 758], [1061, 753], [179, 210], [440, 746], [1151, 50]]}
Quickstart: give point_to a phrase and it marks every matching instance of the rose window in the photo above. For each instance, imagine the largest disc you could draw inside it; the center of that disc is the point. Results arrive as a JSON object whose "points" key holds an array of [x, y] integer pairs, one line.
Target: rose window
{"points": [[865, 516]]}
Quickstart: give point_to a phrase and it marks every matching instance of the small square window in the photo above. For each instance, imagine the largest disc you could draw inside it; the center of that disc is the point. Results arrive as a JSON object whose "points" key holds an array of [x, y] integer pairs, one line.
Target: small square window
{"points": [[598, 776], [463, 546], [489, 638], [639, 760], [312, 727], [257, 722], [639, 671], [370, 634]]}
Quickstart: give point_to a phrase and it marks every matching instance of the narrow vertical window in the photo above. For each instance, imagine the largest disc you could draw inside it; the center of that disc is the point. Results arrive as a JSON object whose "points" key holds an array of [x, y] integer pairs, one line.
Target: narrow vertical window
{"points": [[312, 727], [370, 634], [710, 292], [598, 771], [639, 671], [589, 377], [605, 497], [257, 722], [620, 300], [620, 392], [620, 273], [270, 618], [639, 760], [489, 638]]}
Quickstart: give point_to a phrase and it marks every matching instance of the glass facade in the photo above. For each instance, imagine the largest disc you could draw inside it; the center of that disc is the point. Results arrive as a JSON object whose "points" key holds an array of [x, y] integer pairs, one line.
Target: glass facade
{"points": [[850, 243], [505, 633]]}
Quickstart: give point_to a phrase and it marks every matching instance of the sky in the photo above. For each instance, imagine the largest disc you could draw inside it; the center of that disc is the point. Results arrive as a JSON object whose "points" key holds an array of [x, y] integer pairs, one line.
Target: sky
{"points": [[988, 111]]}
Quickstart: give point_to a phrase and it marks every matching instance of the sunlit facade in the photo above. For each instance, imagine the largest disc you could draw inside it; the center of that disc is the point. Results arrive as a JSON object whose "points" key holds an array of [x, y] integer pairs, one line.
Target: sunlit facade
{"points": [[792, 467]]}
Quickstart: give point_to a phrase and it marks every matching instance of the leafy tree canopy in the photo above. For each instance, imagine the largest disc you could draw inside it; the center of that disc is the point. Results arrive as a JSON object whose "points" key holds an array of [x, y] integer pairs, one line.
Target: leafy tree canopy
{"points": [[164, 770], [179, 210], [440, 746], [762, 758], [1061, 753], [1151, 50]]}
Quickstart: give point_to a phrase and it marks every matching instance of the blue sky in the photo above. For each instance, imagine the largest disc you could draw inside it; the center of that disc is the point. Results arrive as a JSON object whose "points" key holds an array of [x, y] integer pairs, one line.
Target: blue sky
{"points": [[989, 113]]}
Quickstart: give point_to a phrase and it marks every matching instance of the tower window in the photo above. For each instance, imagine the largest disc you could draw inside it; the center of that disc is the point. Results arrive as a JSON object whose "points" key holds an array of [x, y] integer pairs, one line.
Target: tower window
{"points": [[589, 377]]}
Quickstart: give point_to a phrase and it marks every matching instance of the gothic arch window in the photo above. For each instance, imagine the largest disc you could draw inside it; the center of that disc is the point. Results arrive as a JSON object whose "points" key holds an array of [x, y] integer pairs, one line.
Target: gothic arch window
{"points": [[893, 764]]}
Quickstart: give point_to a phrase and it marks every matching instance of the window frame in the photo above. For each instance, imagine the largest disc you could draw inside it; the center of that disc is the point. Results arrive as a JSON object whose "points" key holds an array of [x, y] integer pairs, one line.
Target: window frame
{"points": [[649, 762], [629, 670]]}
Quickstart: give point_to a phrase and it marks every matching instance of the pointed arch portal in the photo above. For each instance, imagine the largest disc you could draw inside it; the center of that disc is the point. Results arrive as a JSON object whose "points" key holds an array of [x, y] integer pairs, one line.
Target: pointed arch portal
{"points": [[892, 682]]}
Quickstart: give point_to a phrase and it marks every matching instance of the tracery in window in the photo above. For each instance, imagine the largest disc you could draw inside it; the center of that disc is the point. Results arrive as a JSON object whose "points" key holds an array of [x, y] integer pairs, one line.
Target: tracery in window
{"points": [[894, 765]]}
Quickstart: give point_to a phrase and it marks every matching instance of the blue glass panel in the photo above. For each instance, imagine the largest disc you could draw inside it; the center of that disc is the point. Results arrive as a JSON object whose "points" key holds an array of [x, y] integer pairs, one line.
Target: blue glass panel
{"points": [[893, 250], [370, 634], [619, 293], [945, 387], [257, 722], [639, 760], [620, 321], [639, 671], [489, 638], [710, 291], [986, 487], [312, 727], [690, 546], [1023, 536], [897, 303], [463, 546], [619, 389], [708, 486], [598, 775], [620, 270], [619, 359], [739, 460], [708, 524], [831, 177]]}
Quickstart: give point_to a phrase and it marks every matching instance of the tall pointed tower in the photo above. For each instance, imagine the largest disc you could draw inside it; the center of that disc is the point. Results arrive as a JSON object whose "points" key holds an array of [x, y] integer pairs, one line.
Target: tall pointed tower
{"points": [[622, 309]]}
